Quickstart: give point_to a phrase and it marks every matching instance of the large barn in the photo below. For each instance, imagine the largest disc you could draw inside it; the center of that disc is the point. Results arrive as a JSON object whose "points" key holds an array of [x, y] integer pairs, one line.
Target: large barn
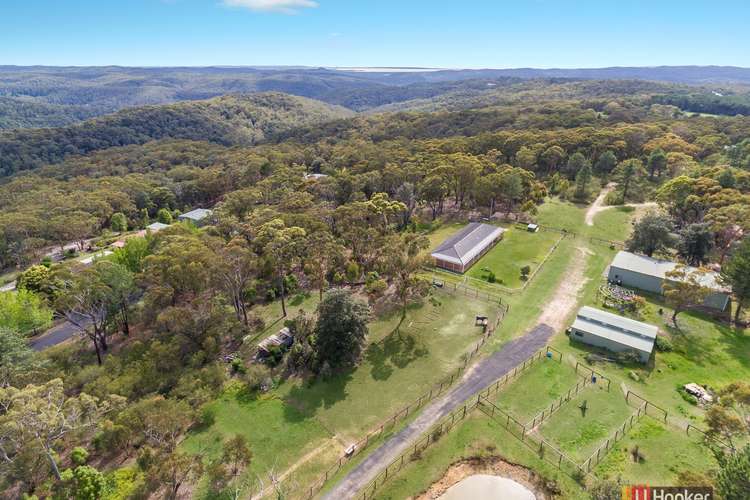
{"points": [[614, 333], [646, 273], [459, 252]]}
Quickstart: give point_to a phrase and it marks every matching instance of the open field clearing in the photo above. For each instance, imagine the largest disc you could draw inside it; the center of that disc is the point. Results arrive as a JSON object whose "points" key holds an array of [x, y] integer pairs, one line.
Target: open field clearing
{"points": [[663, 452], [517, 248], [539, 386]]}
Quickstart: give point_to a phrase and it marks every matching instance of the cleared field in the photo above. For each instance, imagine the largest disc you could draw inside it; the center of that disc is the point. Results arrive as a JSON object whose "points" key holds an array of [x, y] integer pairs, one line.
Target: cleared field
{"points": [[278, 434], [664, 452], [579, 433], [536, 389], [397, 367], [517, 249]]}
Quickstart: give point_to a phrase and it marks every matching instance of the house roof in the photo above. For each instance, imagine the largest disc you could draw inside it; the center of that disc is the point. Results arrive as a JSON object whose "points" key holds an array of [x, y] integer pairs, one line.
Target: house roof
{"points": [[467, 243], [658, 268], [157, 226], [625, 331], [197, 214]]}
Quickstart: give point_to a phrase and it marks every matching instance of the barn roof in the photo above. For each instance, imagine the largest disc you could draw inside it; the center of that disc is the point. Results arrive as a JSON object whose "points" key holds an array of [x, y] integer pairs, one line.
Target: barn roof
{"points": [[467, 243], [196, 215], [624, 331], [658, 268]]}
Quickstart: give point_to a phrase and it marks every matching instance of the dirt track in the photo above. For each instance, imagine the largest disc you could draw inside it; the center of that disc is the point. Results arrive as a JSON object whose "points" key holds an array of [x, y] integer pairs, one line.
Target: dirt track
{"points": [[599, 206]]}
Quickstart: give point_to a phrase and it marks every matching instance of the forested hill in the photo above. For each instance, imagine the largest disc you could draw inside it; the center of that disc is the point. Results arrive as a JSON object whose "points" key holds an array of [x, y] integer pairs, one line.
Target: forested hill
{"points": [[21, 113], [228, 120]]}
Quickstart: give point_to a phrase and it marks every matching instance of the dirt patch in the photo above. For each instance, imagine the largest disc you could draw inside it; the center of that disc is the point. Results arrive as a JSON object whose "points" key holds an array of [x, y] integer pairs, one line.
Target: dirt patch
{"points": [[599, 206], [564, 300], [543, 489]]}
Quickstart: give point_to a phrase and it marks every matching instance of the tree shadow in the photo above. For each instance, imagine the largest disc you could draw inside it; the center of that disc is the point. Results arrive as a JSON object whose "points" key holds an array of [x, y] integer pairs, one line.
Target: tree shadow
{"points": [[305, 399], [397, 350]]}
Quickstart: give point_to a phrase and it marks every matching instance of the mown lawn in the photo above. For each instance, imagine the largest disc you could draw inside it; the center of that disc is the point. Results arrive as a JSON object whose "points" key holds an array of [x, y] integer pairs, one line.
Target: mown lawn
{"points": [[536, 389], [579, 433], [277, 433], [517, 249], [397, 366], [664, 451]]}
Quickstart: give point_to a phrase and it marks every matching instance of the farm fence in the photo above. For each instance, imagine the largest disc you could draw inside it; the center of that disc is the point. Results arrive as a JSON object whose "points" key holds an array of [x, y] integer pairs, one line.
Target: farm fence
{"points": [[449, 421], [620, 432], [558, 403], [663, 416], [390, 423]]}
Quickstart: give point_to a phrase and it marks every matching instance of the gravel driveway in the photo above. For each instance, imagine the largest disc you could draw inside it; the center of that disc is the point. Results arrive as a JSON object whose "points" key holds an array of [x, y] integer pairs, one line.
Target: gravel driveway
{"points": [[481, 375]]}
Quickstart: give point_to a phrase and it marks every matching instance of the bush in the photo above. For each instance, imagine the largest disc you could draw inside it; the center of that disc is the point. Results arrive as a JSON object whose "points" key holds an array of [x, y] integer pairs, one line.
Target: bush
{"points": [[112, 438], [663, 344], [491, 277], [525, 271], [238, 366], [256, 377], [79, 455], [207, 416]]}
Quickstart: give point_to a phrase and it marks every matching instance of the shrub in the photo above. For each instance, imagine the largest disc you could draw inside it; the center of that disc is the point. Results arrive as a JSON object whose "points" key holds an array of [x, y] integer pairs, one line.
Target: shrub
{"points": [[79, 455], [491, 277], [663, 344], [256, 377], [525, 271], [238, 366], [207, 416]]}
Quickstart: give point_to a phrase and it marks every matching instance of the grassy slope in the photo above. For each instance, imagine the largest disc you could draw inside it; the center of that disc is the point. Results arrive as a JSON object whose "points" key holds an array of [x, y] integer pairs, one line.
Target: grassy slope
{"points": [[295, 418], [542, 383], [396, 368], [518, 248]]}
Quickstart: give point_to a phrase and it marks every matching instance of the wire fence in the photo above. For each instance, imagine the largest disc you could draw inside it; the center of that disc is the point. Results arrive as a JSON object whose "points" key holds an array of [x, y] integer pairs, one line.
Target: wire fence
{"points": [[390, 423], [658, 413], [558, 403], [414, 453], [620, 432], [447, 423], [594, 375], [503, 288], [544, 449]]}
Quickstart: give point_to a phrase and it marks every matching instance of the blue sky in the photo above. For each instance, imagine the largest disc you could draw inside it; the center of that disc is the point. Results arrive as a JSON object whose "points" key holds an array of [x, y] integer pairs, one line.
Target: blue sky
{"points": [[452, 34]]}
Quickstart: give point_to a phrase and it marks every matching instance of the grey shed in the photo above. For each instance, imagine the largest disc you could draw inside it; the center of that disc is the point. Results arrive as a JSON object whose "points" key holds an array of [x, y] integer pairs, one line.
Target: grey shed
{"points": [[647, 273], [614, 333], [459, 252]]}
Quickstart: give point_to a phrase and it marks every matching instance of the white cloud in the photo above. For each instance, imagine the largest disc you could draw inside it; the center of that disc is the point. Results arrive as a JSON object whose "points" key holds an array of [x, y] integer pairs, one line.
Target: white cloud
{"points": [[282, 6]]}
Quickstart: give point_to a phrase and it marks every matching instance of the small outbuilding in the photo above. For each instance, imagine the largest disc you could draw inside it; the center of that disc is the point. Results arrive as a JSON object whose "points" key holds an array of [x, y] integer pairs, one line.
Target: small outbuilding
{"points": [[199, 216], [155, 227], [282, 340], [533, 228], [648, 274], [615, 333], [459, 252]]}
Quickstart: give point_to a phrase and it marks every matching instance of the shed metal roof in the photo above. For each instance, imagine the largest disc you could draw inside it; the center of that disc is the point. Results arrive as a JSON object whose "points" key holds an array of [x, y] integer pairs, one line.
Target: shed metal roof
{"points": [[157, 226], [624, 331], [467, 243], [197, 214], [659, 268]]}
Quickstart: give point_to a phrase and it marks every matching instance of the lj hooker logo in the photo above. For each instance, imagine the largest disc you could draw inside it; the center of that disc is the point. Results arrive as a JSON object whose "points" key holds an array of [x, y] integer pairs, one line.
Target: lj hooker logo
{"points": [[643, 492]]}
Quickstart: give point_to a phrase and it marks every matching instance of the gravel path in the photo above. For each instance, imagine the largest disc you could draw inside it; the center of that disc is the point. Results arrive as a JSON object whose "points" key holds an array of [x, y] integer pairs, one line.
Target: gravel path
{"points": [[483, 374]]}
